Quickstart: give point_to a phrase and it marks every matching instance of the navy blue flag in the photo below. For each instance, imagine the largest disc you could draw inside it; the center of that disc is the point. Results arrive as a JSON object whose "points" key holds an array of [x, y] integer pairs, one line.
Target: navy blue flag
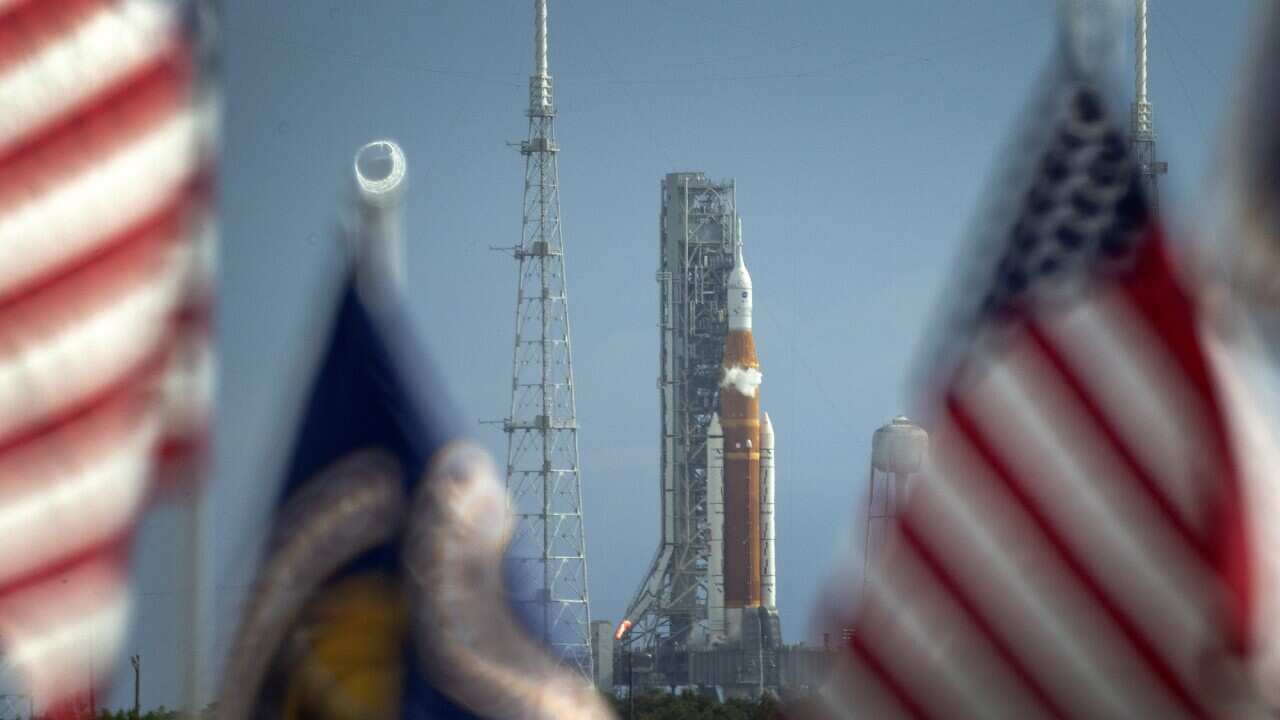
{"points": [[381, 594]]}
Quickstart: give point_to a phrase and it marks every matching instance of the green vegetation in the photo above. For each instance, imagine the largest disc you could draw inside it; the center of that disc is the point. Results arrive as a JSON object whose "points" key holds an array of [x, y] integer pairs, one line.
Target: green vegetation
{"points": [[160, 713], [688, 706]]}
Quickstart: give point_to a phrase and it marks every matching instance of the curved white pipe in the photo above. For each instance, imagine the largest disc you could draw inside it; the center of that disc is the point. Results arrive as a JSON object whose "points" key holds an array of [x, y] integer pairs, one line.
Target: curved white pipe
{"points": [[381, 177]]}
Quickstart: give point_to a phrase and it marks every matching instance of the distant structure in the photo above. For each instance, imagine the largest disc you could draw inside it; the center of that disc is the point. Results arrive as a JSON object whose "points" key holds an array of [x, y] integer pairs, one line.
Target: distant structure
{"points": [[543, 478], [706, 613], [1143, 127], [898, 454], [899, 451], [698, 235], [16, 706], [602, 651], [744, 631]]}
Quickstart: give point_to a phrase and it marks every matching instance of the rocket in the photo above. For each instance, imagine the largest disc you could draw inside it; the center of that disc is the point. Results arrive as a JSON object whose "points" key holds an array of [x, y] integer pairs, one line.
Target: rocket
{"points": [[740, 421], [740, 477]]}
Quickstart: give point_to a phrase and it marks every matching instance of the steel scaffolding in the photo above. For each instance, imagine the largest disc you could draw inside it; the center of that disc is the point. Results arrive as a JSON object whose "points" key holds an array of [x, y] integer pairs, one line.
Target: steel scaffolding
{"points": [[698, 234], [543, 479], [1143, 129]]}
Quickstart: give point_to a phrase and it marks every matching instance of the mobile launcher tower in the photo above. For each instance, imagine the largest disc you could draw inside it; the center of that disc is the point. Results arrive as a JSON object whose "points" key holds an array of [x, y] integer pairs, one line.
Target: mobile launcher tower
{"points": [[706, 613]]}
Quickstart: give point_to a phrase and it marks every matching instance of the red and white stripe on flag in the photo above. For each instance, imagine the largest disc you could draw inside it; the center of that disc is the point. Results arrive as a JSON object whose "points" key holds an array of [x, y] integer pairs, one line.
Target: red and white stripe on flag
{"points": [[1071, 553], [1077, 548], [105, 364]]}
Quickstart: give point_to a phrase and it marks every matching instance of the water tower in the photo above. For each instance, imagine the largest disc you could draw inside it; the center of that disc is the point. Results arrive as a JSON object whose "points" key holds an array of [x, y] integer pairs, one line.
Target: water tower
{"points": [[898, 453]]}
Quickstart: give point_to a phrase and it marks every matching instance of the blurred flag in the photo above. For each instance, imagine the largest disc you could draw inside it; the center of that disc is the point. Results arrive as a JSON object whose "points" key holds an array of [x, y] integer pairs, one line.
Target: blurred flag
{"points": [[1078, 546], [104, 285], [381, 593], [1253, 180], [1250, 191]]}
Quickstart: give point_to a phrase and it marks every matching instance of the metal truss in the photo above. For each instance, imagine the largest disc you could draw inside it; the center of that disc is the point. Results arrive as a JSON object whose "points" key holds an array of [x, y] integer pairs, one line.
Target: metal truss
{"points": [[548, 544], [1143, 129], [699, 224]]}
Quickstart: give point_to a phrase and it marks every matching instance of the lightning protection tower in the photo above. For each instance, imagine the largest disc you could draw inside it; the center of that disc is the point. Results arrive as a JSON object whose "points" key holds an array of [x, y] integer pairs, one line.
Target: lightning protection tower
{"points": [[543, 480], [1143, 123]]}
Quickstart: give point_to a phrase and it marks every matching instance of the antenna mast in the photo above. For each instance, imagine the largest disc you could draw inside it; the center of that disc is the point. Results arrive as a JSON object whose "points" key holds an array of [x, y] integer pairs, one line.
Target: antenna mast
{"points": [[1143, 125], [540, 81], [548, 542]]}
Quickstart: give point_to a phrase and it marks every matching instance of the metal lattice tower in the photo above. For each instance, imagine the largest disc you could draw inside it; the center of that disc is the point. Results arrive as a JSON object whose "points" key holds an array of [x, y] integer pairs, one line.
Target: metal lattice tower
{"points": [[16, 707], [543, 480], [1143, 124], [699, 233]]}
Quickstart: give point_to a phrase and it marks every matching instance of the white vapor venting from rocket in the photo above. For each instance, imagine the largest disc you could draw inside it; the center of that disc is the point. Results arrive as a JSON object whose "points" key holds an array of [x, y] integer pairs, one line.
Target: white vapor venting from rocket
{"points": [[743, 379]]}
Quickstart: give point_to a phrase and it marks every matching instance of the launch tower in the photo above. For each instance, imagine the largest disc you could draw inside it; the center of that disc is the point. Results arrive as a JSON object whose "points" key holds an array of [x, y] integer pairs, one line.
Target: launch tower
{"points": [[706, 612], [543, 480], [1143, 128], [696, 250]]}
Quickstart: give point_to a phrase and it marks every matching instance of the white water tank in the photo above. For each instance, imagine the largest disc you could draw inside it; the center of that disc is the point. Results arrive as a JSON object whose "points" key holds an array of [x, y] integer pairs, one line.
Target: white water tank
{"points": [[898, 454], [899, 447]]}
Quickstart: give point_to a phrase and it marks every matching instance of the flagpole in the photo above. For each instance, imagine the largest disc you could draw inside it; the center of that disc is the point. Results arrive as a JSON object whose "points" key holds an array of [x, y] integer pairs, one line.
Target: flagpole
{"points": [[206, 20], [192, 689]]}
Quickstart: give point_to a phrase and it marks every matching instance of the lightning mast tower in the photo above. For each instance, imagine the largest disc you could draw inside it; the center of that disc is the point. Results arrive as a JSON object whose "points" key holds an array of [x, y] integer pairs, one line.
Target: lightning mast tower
{"points": [[548, 542], [1143, 125]]}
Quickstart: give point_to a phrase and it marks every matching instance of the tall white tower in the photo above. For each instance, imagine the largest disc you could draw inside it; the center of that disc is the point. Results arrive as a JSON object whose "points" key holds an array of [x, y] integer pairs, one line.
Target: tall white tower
{"points": [[548, 543], [1143, 129]]}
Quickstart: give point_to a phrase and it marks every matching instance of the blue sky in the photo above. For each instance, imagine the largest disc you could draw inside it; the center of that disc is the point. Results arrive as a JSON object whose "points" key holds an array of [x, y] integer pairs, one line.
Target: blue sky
{"points": [[860, 136]]}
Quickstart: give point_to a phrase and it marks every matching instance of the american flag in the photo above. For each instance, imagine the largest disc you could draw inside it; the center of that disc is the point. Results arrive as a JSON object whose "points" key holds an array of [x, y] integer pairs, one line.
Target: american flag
{"points": [[1077, 548], [1253, 169], [1250, 189], [105, 369]]}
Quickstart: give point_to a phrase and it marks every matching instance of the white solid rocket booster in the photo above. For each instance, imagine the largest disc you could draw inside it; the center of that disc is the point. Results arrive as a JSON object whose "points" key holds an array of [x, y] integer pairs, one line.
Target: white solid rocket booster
{"points": [[768, 571], [715, 526]]}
